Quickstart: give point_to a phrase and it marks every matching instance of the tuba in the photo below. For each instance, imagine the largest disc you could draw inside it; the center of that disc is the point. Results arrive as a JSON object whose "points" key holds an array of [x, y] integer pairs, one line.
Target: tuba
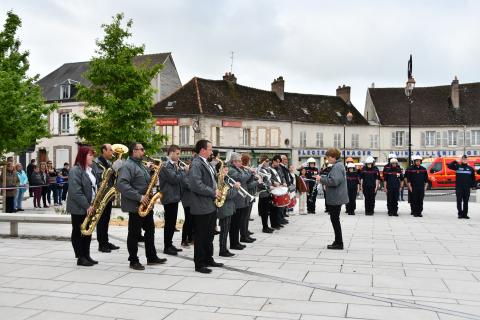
{"points": [[221, 186], [103, 196], [153, 198]]}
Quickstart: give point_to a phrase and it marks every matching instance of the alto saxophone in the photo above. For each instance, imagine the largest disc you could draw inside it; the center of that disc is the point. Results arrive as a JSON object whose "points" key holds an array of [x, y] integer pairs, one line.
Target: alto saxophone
{"points": [[142, 209], [221, 186]]}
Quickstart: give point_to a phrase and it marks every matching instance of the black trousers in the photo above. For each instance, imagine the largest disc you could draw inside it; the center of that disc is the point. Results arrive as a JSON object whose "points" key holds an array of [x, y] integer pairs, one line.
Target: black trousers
{"points": [[416, 200], [80, 243], [204, 228], [264, 211], [64, 191], [187, 229], [135, 226], [275, 213], [352, 200], [244, 222], [235, 225], [10, 204], [463, 195], [392, 200], [45, 192], [369, 194], [224, 229], [102, 226], [334, 212], [311, 199], [170, 217]]}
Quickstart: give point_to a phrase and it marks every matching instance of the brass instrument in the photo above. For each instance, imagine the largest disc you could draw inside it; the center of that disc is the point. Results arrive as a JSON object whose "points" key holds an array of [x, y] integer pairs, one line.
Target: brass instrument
{"points": [[153, 198], [182, 164], [103, 195], [244, 193], [221, 186]]}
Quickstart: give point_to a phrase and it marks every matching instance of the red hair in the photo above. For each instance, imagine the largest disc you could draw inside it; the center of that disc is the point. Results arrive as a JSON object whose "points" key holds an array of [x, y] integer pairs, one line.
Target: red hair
{"points": [[81, 158]]}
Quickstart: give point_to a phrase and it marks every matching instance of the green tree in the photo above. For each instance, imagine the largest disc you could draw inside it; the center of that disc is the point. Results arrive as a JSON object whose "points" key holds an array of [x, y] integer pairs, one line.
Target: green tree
{"points": [[23, 113], [120, 97]]}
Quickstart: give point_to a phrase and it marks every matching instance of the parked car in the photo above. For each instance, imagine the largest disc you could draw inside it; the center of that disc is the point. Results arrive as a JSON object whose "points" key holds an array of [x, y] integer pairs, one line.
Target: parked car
{"points": [[440, 176]]}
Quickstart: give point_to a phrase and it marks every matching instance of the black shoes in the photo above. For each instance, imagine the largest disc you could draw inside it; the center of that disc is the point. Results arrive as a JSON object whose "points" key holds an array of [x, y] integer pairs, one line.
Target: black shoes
{"points": [[104, 248], [215, 264], [91, 260], [226, 254], [136, 266], [463, 217], [267, 230], [83, 261], [203, 270], [176, 249], [170, 251], [157, 260], [417, 215], [248, 240], [249, 232], [113, 247], [238, 247], [335, 246]]}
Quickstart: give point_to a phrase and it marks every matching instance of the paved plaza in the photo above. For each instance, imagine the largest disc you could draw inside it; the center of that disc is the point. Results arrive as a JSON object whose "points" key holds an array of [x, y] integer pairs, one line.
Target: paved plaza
{"points": [[391, 268]]}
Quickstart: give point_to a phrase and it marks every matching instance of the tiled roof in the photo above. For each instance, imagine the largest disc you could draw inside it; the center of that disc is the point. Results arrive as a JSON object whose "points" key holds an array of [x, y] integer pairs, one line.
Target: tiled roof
{"points": [[228, 99], [431, 106], [74, 71]]}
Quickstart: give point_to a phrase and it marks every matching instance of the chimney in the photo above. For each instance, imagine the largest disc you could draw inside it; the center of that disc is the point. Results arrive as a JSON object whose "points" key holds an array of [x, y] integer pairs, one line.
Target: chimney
{"points": [[230, 77], [344, 93], [455, 94], [278, 86]]}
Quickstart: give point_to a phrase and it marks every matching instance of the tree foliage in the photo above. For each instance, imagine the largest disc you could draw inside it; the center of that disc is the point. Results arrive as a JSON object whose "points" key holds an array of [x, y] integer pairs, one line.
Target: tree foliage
{"points": [[23, 113], [120, 97]]}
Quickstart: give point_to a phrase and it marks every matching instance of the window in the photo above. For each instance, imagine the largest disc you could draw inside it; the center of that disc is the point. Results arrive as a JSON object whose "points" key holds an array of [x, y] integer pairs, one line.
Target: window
{"points": [[337, 140], [355, 140], [319, 142], [475, 137], [430, 138], [374, 141], [399, 138], [184, 135], [452, 138], [274, 137], [64, 123], [436, 167], [303, 139], [246, 137], [65, 91], [261, 137]]}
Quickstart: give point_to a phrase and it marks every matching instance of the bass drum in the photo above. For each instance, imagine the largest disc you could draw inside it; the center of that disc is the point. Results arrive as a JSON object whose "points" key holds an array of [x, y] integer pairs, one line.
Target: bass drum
{"points": [[293, 201], [280, 197]]}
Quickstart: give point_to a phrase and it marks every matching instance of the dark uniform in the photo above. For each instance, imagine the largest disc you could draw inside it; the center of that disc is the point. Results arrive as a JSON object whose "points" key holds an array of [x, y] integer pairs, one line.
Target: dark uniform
{"points": [[311, 172], [353, 180], [324, 172], [465, 179], [369, 177], [393, 176], [417, 177]]}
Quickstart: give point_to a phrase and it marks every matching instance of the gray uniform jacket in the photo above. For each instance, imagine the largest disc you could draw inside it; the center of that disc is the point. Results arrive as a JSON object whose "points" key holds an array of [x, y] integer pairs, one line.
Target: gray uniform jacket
{"points": [[132, 182], [267, 183], [228, 207], [186, 193], [202, 186], [171, 183], [79, 196], [243, 177], [336, 184]]}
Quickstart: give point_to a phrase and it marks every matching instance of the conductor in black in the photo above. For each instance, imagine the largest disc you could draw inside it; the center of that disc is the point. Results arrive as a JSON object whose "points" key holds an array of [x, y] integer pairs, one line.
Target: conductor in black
{"points": [[465, 179]]}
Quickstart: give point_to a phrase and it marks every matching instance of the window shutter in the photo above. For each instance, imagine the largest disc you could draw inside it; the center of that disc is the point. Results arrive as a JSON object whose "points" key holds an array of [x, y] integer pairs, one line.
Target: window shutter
{"points": [[422, 139], [445, 139], [467, 139], [460, 137], [407, 141], [72, 124], [55, 122], [393, 139]]}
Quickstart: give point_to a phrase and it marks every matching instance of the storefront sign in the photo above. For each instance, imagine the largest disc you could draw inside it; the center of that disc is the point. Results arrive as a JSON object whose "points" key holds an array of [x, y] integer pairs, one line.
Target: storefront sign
{"points": [[167, 122], [321, 152], [429, 153], [233, 124]]}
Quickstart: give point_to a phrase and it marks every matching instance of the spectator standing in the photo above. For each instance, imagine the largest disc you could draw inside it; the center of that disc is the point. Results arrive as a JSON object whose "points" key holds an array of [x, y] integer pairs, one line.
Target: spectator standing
{"points": [[65, 171], [23, 184], [12, 182], [36, 182], [30, 167]]}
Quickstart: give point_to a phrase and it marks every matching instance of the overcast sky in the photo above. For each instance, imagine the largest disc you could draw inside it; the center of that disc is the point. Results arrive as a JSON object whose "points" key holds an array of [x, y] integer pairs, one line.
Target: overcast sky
{"points": [[314, 45]]}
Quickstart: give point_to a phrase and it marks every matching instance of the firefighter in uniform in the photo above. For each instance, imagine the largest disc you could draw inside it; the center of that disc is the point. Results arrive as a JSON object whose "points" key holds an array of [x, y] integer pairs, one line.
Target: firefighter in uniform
{"points": [[393, 178], [417, 181], [370, 180], [465, 179], [312, 172], [353, 186]]}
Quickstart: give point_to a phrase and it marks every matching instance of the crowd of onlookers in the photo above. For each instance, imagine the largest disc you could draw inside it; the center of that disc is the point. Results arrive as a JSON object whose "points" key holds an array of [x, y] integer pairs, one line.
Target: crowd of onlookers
{"points": [[42, 181]]}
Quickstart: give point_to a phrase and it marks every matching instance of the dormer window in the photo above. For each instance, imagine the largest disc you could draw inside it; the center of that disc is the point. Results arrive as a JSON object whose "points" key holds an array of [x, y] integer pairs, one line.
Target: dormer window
{"points": [[65, 91], [170, 105], [305, 110], [219, 107]]}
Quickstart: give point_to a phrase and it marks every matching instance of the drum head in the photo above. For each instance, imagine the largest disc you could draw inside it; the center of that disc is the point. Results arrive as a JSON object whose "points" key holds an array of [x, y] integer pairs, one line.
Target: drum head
{"points": [[280, 191]]}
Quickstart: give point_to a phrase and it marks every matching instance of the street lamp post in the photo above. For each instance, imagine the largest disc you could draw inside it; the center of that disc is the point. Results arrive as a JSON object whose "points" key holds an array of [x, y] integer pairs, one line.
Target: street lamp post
{"points": [[348, 118], [409, 86]]}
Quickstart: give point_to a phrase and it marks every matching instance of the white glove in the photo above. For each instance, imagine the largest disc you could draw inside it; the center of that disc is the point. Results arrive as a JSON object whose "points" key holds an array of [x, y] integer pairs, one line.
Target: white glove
{"points": [[117, 165]]}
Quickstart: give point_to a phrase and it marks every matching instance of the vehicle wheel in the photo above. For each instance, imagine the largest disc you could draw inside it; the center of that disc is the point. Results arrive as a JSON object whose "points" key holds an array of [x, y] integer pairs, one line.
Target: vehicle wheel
{"points": [[429, 187], [478, 184]]}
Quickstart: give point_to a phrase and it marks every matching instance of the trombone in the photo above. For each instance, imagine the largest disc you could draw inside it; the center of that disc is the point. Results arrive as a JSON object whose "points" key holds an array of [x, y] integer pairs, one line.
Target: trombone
{"points": [[244, 193]]}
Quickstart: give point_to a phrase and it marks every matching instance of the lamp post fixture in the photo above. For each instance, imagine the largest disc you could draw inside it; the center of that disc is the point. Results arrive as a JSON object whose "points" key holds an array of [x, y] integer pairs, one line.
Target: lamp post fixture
{"points": [[409, 86], [348, 118]]}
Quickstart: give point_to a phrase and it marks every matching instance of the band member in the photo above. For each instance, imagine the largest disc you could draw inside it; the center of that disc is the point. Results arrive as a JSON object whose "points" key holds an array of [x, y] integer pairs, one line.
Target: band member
{"points": [[302, 187], [171, 177], [264, 196], [312, 172], [252, 185], [278, 180], [370, 181], [393, 181], [187, 228], [99, 166], [353, 186], [203, 187], [133, 181], [241, 203], [290, 183], [417, 181], [464, 180], [83, 187], [337, 194]]}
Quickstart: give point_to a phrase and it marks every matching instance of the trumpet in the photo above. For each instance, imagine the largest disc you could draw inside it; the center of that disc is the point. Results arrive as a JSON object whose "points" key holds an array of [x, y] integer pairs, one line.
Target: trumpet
{"points": [[182, 165], [244, 193]]}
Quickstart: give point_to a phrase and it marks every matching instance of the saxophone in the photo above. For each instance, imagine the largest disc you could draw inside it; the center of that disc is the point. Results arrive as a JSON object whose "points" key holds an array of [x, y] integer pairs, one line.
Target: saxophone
{"points": [[144, 210], [221, 186]]}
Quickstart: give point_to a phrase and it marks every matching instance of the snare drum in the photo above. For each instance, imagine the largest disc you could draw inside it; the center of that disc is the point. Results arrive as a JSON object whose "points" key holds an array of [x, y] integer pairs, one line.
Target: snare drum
{"points": [[293, 203], [280, 197]]}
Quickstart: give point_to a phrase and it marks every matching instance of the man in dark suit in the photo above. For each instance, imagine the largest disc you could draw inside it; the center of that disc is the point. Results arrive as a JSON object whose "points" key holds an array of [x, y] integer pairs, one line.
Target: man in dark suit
{"points": [[203, 187]]}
